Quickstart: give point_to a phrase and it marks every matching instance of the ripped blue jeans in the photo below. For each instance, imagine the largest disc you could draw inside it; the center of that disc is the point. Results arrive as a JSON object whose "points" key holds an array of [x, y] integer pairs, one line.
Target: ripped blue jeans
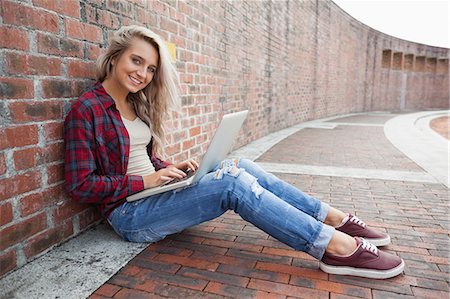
{"points": [[274, 206]]}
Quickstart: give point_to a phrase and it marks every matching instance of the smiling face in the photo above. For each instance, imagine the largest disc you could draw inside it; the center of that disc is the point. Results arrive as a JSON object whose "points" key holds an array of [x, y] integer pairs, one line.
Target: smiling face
{"points": [[135, 68]]}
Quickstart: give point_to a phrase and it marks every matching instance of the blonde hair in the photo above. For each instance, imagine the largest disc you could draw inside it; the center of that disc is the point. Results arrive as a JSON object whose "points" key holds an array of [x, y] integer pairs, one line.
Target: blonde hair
{"points": [[154, 102]]}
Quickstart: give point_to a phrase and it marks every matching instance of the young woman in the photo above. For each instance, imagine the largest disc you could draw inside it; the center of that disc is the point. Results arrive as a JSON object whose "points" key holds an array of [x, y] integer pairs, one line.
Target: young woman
{"points": [[114, 137]]}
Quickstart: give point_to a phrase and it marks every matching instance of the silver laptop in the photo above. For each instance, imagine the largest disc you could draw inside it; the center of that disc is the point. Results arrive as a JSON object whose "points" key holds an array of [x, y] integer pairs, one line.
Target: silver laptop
{"points": [[218, 150]]}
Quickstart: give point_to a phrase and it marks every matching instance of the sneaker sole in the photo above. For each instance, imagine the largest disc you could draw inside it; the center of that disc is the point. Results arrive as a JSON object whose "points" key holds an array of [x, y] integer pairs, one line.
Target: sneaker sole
{"points": [[379, 242], [361, 272]]}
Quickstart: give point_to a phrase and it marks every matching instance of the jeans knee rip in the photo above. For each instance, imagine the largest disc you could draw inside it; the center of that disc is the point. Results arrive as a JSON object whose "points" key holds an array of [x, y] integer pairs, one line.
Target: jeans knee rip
{"points": [[228, 167], [256, 188]]}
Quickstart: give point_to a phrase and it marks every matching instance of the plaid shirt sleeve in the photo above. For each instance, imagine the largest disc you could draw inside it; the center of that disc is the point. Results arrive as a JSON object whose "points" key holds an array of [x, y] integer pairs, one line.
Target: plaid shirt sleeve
{"points": [[86, 179]]}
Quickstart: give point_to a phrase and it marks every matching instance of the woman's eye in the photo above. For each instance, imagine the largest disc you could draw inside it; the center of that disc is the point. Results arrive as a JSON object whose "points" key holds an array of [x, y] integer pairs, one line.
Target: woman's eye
{"points": [[136, 61], [151, 70]]}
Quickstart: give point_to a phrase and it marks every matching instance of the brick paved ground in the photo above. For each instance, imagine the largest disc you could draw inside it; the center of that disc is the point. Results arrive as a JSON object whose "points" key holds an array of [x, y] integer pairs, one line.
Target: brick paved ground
{"points": [[228, 257], [442, 126]]}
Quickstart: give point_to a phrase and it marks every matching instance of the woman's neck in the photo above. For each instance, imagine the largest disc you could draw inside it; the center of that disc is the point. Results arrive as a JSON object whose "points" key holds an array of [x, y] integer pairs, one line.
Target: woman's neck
{"points": [[118, 94]]}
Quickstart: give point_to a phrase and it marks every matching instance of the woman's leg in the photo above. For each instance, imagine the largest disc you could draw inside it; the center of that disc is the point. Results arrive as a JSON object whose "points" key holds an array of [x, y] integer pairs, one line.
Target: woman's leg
{"points": [[292, 195], [346, 223], [157, 216]]}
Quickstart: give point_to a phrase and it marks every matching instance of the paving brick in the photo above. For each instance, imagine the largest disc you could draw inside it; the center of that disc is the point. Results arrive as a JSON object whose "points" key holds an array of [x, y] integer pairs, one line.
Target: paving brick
{"points": [[292, 270], [239, 292], [107, 290], [187, 261], [285, 289], [214, 276], [331, 287], [431, 294], [195, 283], [254, 273], [223, 259], [260, 256], [385, 285]]}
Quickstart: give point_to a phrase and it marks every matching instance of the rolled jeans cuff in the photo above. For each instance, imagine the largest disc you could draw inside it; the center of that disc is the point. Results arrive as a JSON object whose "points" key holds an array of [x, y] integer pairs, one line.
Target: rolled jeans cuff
{"points": [[317, 249], [323, 211]]}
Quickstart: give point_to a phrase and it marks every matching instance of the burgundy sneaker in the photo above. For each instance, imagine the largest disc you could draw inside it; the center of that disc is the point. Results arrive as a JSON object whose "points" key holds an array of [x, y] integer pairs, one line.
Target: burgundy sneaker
{"points": [[355, 227], [367, 261]]}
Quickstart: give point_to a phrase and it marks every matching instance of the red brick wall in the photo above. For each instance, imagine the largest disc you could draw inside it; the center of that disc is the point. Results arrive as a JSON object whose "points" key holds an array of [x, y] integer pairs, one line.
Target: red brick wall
{"points": [[286, 61]]}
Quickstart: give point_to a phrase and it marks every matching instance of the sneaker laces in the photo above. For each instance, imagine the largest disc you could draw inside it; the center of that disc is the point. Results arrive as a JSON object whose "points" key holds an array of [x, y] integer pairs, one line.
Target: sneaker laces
{"points": [[357, 221], [369, 246]]}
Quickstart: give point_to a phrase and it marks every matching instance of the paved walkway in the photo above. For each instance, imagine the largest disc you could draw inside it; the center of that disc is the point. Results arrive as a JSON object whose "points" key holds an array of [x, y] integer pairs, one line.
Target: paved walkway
{"points": [[354, 162]]}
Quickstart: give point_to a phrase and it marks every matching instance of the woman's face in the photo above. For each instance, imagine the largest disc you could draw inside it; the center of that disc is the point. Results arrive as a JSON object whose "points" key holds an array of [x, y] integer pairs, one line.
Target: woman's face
{"points": [[135, 68]]}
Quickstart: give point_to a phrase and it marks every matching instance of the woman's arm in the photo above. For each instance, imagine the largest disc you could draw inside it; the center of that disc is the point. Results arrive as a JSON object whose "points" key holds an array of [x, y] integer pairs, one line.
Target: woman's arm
{"points": [[85, 182]]}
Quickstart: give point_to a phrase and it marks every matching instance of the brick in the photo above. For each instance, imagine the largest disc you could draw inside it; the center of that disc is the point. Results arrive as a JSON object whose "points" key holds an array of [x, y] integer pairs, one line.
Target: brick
{"points": [[82, 31], [19, 14], [108, 19], [67, 210], [119, 7], [32, 65], [238, 292], [177, 280], [287, 252], [56, 88], [53, 131], [21, 231], [161, 248], [49, 44], [68, 8], [16, 88], [260, 256], [287, 290], [35, 111], [6, 213], [187, 261], [331, 287], [130, 293], [53, 152], [35, 202], [19, 184], [254, 273], [18, 136], [14, 38], [194, 131], [385, 285], [427, 293], [8, 262], [48, 238], [3, 167], [88, 217], [223, 259], [125, 280], [228, 244], [55, 173], [292, 270], [81, 69], [214, 276], [26, 158], [93, 52], [154, 265], [107, 290]]}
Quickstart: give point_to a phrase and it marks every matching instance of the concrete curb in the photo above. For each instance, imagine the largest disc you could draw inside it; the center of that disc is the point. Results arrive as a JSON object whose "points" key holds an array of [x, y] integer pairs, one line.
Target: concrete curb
{"points": [[411, 134]]}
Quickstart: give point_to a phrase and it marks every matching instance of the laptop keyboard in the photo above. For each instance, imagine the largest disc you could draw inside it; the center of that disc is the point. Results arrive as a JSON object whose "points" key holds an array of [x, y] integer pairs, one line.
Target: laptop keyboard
{"points": [[189, 173]]}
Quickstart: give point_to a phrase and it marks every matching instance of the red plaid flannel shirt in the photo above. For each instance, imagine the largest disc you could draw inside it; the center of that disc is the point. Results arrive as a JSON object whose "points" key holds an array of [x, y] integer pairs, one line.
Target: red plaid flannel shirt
{"points": [[97, 147]]}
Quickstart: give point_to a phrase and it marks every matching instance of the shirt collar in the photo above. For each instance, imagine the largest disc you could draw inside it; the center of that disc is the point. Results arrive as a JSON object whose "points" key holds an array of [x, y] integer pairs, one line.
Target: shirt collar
{"points": [[106, 100]]}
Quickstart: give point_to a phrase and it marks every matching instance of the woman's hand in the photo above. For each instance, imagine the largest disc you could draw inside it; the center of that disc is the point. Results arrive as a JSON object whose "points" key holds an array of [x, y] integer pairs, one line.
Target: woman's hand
{"points": [[188, 164], [169, 173], [162, 176]]}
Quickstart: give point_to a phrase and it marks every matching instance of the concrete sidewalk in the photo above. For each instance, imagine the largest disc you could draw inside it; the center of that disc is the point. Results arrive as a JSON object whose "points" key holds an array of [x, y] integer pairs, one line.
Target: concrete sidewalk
{"points": [[388, 169]]}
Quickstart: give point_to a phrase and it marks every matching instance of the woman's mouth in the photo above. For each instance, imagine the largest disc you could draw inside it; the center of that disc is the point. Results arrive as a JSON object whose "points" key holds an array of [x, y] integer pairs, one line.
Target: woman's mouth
{"points": [[135, 81]]}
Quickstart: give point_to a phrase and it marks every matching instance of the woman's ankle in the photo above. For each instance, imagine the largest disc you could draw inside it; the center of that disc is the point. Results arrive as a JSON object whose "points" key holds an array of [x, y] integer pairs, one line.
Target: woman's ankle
{"points": [[334, 217], [341, 244]]}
